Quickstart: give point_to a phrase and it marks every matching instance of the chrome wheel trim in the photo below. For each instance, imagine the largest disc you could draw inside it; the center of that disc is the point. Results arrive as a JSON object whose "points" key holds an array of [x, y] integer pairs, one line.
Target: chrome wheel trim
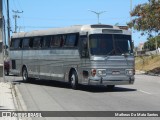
{"points": [[73, 80], [25, 75]]}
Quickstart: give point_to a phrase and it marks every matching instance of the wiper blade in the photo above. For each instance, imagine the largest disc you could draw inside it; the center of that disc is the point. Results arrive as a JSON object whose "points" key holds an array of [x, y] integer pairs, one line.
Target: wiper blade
{"points": [[120, 50], [111, 52]]}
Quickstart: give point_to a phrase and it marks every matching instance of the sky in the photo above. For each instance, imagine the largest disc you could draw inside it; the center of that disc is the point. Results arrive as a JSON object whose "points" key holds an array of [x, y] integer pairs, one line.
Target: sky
{"points": [[44, 14]]}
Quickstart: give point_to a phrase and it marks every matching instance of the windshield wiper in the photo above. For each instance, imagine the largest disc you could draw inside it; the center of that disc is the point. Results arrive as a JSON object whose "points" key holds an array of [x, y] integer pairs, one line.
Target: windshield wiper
{"points": [[111, 52]]}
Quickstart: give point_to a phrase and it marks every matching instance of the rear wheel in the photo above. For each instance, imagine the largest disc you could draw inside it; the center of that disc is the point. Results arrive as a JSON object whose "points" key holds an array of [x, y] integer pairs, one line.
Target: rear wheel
{"points": [[6, 72], [25, 75], [74, 80]]}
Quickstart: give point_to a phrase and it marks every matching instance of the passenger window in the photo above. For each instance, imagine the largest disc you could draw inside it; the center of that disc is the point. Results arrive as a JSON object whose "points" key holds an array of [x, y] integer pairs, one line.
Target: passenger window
{"points": [[26, 43], [16, 44], [46, 42], [37, 42], [55, 41], [71, 40]]}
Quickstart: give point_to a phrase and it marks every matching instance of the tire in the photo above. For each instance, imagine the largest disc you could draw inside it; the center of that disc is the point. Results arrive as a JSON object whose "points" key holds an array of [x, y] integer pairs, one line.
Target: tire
{"points": [[25, 75], [6, 72], [74, 80]]}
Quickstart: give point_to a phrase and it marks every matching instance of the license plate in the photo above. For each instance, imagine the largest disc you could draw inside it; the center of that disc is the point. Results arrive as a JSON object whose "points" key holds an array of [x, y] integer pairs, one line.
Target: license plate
{"points": [[115, 72]]}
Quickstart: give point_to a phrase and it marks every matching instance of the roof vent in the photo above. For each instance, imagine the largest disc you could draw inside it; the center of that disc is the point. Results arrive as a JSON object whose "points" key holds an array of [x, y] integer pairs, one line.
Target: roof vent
{"points": [[101, 26]]}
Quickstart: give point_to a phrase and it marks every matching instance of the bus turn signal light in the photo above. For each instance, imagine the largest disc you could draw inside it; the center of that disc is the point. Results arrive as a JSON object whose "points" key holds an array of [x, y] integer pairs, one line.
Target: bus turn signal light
{"points": [[93, 72]]}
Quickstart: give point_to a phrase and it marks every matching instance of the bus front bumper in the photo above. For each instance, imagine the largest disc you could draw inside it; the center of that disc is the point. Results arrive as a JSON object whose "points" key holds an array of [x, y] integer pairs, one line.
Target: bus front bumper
{"points": [[118, 80]]}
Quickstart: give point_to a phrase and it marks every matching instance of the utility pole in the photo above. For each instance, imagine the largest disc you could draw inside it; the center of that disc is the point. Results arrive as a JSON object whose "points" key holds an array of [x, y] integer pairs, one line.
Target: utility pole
{"points": [[8, 23], [1, 41], [98, 14], [15, 18]]}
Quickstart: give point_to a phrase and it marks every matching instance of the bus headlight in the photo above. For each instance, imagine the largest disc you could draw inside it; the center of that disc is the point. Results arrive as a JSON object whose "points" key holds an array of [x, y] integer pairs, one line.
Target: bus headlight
{"points": [[129, 72], [101, 72]]}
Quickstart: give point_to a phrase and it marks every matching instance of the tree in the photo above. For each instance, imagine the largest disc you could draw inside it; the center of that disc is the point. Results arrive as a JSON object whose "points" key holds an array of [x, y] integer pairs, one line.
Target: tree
{"points": [[151, 43], [146, 18]]}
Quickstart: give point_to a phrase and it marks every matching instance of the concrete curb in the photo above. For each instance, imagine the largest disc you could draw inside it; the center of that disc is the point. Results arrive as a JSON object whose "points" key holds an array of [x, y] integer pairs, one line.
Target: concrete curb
{"points": [[18, 101], [153, 74], [146, 73], [20, 105]]}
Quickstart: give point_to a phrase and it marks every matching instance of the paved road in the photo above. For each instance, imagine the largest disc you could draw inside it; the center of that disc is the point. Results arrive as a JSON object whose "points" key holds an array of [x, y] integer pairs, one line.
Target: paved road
{"points": [[144, 95]]}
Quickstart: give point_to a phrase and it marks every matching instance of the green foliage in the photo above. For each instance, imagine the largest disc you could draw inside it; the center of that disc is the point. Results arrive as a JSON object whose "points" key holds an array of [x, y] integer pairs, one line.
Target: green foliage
{"points": [[146, 17], [151, 43]]}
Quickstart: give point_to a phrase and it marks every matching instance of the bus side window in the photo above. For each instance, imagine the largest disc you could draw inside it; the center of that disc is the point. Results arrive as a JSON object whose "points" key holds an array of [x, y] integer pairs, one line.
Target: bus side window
{"points": [[12, 44], [25, 43], [84, 46], [16, 44], [71, 40], [63, 39], [55, 41], [46, 42], [31, 42], [37, 42]]}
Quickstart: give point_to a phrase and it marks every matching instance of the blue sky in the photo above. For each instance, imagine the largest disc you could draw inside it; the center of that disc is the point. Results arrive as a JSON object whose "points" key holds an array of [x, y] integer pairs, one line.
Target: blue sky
{"points": [[43, 14]]}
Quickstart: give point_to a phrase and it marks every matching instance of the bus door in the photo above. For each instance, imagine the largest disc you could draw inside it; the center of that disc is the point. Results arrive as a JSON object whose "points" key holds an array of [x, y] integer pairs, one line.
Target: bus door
{"points": [[84, 53]]}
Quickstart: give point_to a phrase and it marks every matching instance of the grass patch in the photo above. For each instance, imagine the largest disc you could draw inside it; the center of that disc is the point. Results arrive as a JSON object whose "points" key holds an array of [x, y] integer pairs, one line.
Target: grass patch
{"points": [[148, 63]]}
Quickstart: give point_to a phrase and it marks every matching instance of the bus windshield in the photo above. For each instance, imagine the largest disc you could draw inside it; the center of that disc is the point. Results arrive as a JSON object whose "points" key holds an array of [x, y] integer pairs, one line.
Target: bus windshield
{"points": [[110, 44]]}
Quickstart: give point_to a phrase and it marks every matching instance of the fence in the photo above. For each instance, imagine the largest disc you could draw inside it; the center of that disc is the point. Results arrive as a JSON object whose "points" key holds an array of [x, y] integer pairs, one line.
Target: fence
{"points": [[154, 52]]}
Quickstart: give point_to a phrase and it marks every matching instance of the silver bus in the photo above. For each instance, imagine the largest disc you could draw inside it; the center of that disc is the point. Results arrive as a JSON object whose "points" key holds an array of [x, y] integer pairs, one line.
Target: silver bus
{"points": [[83, 54]]}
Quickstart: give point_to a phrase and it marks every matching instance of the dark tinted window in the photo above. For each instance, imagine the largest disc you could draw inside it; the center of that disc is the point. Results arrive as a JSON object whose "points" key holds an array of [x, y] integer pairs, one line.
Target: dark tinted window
{"points": [[37, 42], [84, 46], [110, 44], [123, 44], [26, 43], [56, 41], [71, 40], [16, 43], [101, 44], [46, 42]]}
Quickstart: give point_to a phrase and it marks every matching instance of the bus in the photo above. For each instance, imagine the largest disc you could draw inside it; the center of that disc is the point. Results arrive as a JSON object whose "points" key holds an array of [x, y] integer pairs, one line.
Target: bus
{"points": [[97, 54]]}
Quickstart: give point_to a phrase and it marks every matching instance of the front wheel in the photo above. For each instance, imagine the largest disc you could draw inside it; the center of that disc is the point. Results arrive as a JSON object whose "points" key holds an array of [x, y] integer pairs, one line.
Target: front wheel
{"points": [[74, 80]]}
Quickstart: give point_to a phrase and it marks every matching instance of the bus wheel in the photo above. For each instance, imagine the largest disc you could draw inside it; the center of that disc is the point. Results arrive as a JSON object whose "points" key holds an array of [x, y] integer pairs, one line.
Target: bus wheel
{"points": [[6, 72], [25, 75], [74, 80], [110, 87]]}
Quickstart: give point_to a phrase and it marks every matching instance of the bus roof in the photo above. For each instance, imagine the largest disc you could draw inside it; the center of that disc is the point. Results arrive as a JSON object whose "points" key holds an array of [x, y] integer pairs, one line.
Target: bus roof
{"points": [[65, 30]]}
